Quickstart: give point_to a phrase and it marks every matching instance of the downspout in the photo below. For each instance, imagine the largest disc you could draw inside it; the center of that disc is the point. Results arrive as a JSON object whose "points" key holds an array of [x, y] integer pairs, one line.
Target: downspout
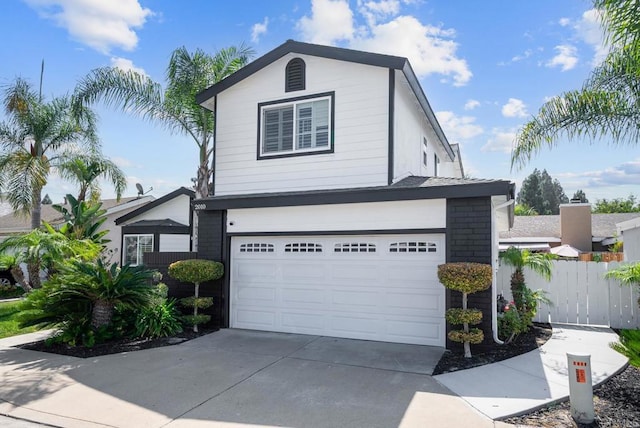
{"points": [[494, 266]]}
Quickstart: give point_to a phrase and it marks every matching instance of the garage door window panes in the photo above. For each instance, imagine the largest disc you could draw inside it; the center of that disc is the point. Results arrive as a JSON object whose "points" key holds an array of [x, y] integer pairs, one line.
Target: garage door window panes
{"points": [[354, 247], [257, 247], [302, 247], [135, 246], [413, 247]]}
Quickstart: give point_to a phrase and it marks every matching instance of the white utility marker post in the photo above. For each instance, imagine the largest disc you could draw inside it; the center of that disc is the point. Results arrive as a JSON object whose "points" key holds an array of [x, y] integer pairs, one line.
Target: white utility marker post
{"points": [[580, 388]]}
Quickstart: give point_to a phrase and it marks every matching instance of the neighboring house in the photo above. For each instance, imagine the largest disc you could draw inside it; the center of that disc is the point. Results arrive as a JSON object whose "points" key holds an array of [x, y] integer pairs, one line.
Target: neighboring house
{"points": [[575, 225], [12, 224], [629, 232], [164, 225], [336, 196]]}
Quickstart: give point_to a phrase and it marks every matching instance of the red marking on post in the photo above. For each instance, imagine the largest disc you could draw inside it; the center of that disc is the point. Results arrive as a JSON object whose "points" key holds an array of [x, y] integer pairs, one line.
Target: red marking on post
{"points": [[581, 376]]}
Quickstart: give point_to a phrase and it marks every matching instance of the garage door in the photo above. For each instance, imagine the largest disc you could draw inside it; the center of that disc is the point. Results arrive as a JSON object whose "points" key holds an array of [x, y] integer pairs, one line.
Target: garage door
{"points": [[380, 287]]}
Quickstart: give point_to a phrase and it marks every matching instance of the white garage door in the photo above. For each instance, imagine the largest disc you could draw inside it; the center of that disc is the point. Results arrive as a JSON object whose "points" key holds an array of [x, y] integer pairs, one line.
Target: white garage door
{"points": [[381, 287]]}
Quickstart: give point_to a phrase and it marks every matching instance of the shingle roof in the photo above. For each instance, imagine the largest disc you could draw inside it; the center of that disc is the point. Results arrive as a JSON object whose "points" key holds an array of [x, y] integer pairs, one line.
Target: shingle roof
{"points": [[14, 223], [602, 225]]}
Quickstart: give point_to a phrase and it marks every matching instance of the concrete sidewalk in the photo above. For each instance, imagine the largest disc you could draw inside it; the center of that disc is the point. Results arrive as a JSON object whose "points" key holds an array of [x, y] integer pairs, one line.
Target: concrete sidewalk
{"points": [[236, 378], [537, 378]]}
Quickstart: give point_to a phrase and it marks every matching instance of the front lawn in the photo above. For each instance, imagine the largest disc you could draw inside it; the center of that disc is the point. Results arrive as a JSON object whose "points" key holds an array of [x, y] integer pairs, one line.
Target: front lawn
{"points": [[9, 325]]}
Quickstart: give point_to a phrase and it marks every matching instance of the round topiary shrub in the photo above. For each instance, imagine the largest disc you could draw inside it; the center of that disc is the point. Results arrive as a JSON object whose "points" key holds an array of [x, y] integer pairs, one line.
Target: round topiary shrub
{"points": [[466, 278], [196, 271]]}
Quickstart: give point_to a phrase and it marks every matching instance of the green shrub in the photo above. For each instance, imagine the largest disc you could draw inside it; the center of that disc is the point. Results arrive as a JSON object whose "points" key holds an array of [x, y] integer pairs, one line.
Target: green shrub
{"points": [[195, 320], [196, 302], [196, 271], [457, 316], [474, 336], [159, 320], [629, 346], [465, 277], [511, 324], [8, 291]]}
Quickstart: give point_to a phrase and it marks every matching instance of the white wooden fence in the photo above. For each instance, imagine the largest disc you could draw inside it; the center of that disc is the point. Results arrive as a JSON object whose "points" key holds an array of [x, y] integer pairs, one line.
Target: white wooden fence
{"points": [[580, 295]]}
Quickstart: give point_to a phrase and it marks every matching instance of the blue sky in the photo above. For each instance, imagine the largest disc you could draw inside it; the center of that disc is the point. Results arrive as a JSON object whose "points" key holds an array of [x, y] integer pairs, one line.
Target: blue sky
{"points": [[484, 66]]}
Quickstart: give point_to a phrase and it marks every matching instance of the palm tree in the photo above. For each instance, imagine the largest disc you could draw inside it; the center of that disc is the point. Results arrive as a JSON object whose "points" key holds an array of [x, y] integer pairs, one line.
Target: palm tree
{"points": [[37, 137], [44, 248], [85, 171], [607, 104], [174, 108], [539, 263]]}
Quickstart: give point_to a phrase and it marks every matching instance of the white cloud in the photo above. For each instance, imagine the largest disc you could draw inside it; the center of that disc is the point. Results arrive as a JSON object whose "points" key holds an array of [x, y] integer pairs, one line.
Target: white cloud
{"points": [[514, 108], [619, 175], [566, 57], [589, 30], [259, 29], [500, 141], [330, 21], [458, 128], [430, 49], [126, 65], [102, 25], [471, 104], [564, 22]]}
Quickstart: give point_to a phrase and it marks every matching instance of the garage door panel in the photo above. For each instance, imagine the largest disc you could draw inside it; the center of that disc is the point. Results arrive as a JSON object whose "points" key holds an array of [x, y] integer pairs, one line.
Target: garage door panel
{"points": [[256, 318], [255, 269], [332, 286], [302, 296], [355, 300]]}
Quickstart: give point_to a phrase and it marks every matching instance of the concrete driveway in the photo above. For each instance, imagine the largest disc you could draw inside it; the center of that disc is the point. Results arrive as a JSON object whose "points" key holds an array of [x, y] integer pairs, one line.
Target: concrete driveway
{"points": [[236, 378]]}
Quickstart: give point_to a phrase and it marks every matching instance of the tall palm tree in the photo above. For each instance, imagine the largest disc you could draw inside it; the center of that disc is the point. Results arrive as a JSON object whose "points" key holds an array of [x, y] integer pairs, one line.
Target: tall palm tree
{"points": [[540, 263], [175, 107], [607, 104], [85, 171], [38, 136]]}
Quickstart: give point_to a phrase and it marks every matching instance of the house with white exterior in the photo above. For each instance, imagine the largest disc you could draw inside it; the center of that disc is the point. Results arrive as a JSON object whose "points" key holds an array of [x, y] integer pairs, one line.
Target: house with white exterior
{"points": [[164, 225], [336, 196]]}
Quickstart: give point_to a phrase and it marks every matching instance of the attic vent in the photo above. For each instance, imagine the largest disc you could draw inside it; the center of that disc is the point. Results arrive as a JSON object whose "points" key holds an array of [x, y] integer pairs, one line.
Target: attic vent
{"points": [[295, 75]]}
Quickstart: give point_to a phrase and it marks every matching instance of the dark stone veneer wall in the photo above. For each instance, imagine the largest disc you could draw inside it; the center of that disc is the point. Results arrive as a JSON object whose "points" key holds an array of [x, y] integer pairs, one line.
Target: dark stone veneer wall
{"points": [[469, 240]]}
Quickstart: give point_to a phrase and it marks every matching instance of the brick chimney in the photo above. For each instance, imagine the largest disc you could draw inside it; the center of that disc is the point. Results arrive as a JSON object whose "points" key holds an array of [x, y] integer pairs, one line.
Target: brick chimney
{"points": [[575, 226]]}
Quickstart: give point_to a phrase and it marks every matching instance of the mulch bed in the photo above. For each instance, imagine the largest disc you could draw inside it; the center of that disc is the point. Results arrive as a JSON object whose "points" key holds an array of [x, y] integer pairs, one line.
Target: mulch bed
{"points": [[117, 346], [534, 338]]}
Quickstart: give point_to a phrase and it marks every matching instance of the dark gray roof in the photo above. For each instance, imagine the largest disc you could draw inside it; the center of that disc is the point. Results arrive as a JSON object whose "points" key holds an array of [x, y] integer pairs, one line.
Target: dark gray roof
{"points": [[167, 222], [602, 225], [341, 54], [410, 188]]}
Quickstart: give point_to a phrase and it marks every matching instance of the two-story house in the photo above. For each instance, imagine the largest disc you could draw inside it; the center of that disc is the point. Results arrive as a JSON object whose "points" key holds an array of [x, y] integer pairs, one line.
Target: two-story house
{"points": [[336, 196]]}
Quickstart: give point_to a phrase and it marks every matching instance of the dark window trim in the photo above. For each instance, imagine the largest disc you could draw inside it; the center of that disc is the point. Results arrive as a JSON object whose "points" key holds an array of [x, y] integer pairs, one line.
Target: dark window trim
{"points": [[332, 102], [346, 232], [301, 86]]}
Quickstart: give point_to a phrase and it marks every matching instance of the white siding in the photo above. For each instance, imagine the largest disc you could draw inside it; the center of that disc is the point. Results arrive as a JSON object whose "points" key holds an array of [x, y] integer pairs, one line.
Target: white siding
{"points": [[631, 239], [421, 214], [176, 209], [360, 130], [174, 242], [410, 128]]}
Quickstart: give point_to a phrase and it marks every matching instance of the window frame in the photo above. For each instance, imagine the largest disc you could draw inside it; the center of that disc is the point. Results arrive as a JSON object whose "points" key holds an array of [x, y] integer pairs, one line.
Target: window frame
{"points": [[139, 255], [330, 96]]}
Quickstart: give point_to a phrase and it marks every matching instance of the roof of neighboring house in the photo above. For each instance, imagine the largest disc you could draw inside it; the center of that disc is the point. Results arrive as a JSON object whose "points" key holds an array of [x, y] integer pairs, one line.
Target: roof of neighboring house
{"points": [[548, 226], [133, 214], [12, 223], [331, 52], [409, 188]]}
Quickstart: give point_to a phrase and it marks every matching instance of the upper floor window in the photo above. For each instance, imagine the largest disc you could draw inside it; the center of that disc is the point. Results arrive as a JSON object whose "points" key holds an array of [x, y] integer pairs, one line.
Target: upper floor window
{"points": [[296, 126], [295, 76]]}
